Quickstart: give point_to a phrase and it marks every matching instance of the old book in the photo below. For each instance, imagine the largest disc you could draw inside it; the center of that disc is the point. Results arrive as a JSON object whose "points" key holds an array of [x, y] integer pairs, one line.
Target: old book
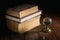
{"points": [[24, 26], [24, 18], [22, 10]]}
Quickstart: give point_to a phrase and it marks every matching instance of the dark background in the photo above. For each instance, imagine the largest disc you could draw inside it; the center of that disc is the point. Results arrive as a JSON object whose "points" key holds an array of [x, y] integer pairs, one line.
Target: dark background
{"points": [[45, 5]]}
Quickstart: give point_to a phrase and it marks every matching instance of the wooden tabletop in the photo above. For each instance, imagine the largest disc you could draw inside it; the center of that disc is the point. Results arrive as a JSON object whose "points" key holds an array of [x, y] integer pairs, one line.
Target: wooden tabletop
{"points": [[35, 34]]}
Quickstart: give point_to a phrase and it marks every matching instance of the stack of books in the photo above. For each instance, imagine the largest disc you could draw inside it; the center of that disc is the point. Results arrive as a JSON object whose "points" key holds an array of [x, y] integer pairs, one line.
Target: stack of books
{"points": [[23, 18]]}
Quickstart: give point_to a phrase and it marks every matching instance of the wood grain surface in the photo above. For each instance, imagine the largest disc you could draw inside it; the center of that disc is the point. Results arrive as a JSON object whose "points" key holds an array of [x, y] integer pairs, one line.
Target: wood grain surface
{"points": [[34, 34]]}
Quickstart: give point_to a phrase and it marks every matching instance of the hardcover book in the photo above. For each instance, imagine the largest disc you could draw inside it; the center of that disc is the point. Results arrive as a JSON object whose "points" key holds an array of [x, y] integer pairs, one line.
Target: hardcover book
{"points": [[22, 10], [24, 26]]}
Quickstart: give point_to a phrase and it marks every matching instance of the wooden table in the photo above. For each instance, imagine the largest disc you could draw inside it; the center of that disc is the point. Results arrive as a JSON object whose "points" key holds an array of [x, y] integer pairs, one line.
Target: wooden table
{"points": [[34, 34]]}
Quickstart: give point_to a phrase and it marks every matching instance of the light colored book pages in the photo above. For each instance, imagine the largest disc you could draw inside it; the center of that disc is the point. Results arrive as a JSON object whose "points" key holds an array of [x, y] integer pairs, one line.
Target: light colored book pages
{"points": [[25, 26], [22, 10], [25, 18]]}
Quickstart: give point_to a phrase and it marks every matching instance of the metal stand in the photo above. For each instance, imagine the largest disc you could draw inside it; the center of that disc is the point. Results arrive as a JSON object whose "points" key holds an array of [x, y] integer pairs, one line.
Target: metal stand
{"points": [[45, 32]]}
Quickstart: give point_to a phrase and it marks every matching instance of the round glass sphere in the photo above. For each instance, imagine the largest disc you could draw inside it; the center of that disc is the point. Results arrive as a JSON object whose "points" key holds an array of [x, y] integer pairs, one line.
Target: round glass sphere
{"points": [[47, 21]]}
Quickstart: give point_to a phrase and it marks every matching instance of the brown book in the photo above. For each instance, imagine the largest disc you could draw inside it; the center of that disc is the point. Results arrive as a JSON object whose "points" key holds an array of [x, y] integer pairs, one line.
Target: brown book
{"points": [[22, 10], [24, 26]]}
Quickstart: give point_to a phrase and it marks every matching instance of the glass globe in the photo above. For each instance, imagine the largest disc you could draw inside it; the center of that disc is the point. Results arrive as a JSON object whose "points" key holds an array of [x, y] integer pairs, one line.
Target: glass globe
{"points": [[47, 21]]}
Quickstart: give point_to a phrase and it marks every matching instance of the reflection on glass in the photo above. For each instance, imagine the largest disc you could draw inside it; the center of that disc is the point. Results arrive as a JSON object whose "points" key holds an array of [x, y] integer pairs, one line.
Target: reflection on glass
{"points": [[47, 21]]}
